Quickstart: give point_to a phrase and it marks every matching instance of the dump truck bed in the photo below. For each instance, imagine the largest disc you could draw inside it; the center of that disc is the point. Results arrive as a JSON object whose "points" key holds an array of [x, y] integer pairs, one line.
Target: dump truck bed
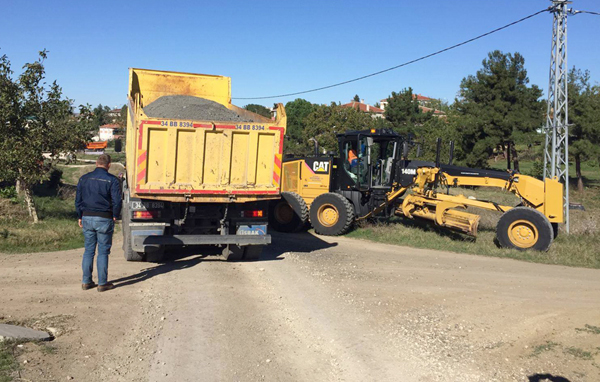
{"points": [[173, 159]]}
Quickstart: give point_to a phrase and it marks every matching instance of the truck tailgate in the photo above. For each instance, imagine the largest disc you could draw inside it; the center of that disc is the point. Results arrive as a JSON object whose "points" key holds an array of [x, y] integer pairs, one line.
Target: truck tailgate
{"points": [[205, 158]]}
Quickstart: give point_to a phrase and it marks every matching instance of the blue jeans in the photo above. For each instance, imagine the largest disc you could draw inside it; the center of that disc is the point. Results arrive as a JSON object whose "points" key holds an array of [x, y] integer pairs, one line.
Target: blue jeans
{"points": [[96, 230]]}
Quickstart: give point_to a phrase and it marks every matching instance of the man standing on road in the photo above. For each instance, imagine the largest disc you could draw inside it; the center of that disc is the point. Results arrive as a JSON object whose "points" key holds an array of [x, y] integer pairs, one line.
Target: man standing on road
{"points": [[98, 204]]}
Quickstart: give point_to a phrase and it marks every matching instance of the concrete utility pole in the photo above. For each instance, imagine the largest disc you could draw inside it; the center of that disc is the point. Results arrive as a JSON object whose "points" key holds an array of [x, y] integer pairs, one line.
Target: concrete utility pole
{"points": [[556, 156]]}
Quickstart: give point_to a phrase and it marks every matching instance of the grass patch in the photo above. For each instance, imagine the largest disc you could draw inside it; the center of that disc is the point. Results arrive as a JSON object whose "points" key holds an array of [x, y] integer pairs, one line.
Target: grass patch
{"points": [[114, 156], [543, 348], [589, 329], [72, 173], [8, 361], [46, 349], [579, 353], [57, 229]]}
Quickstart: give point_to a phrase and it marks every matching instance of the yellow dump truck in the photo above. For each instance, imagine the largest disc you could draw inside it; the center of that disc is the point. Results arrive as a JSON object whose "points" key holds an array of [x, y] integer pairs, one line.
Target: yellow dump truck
{"points": [[200, 171]]}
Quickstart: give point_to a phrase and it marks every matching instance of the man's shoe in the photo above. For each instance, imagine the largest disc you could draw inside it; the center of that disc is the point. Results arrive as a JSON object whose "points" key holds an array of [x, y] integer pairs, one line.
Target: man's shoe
{"points": [[88, 286], [105, 287]]}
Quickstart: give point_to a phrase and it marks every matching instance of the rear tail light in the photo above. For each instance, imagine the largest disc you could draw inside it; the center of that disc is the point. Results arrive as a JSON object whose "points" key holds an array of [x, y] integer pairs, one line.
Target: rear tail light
{"points": [[146, 214], [252, 214]]}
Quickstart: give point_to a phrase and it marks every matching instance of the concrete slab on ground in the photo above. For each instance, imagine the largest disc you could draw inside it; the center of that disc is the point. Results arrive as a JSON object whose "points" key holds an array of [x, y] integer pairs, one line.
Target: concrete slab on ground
{"points": [[21, 333]]}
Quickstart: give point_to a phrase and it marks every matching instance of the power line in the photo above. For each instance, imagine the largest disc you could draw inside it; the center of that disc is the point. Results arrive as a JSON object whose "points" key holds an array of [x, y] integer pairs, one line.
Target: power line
{"points": [[588, 12], [403, 64]]}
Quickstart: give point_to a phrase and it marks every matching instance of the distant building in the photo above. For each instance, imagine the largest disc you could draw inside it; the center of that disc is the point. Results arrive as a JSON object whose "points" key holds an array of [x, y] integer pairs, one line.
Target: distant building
{"points": [[366, 108], [425, 104], [107, 132], [114, 114]]}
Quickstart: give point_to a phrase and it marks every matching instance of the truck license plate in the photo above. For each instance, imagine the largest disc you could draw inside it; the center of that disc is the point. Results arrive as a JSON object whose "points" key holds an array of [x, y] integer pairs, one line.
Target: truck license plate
{"points": [[252, 230], [147, 205]]}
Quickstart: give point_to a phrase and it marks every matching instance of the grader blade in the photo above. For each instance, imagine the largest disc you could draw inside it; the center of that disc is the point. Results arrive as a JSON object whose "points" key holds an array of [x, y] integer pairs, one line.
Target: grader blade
{"points": [[442, 213]]}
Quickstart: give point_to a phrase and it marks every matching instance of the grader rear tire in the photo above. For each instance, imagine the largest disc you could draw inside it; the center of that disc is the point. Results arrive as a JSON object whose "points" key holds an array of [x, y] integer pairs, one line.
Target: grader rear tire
{"points": [[524, 228], [331, 214], [288, 214]]}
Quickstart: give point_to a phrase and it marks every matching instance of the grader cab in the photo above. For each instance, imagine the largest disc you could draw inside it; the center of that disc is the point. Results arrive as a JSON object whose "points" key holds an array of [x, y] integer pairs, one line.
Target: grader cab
{"points": [[373, 178]]}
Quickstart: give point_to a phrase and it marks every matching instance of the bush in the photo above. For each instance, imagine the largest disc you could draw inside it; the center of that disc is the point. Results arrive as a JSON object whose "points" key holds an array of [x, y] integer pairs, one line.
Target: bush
{"points": [[8, 193]]}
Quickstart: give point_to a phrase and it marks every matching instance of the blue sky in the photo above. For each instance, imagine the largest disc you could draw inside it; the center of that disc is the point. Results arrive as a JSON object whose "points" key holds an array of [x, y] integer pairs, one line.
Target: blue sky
{"points": [[271, 48]]}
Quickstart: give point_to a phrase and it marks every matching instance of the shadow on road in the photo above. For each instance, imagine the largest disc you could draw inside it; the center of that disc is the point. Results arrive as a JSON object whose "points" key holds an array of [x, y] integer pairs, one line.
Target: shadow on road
{"points": [[547, 377], [160, 269], [303, 242], [187, 257]]}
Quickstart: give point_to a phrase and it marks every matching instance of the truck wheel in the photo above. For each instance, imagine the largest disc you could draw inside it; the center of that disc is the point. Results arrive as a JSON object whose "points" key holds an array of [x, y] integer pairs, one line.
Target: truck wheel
{"points": [[253, 252], [524, 228], [232, 253], [288, 214], [130, 254], [331, 214]]}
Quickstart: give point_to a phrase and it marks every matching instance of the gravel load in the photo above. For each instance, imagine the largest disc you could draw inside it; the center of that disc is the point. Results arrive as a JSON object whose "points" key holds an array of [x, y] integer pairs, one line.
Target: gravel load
{"points": [[194, 108]]}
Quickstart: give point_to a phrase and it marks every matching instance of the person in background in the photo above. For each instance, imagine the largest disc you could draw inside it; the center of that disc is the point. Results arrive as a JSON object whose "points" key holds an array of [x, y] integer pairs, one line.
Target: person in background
{"points": [[98, 203]]}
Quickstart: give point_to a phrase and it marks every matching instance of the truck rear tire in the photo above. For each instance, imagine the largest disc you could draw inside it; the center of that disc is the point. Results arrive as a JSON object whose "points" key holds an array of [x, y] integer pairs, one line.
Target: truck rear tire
{"points": [[524, 228], [331, 214], [288, 214]]}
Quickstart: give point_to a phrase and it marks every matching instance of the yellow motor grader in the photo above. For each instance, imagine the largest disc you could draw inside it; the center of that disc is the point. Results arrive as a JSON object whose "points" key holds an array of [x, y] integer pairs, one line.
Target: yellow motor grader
{"points": [[373, 178]]}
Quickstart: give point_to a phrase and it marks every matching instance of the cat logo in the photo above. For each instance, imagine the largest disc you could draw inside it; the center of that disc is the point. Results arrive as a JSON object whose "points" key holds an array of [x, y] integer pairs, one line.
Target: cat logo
{"points": [[409, 171], [321, 166]]}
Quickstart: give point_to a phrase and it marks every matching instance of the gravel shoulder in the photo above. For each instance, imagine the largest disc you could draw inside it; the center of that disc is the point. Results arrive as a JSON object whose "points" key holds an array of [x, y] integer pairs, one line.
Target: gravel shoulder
{"points": [[316, 308]]}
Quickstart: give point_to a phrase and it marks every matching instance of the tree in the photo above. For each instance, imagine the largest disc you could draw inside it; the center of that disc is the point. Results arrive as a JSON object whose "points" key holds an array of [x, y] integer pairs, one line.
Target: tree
{"points": [[356, 98], [101, 116], [403, 112], [258, 109], [496, 106], [296, 111], [584, 117], [326, 121], [121, 120], [35, 119]]}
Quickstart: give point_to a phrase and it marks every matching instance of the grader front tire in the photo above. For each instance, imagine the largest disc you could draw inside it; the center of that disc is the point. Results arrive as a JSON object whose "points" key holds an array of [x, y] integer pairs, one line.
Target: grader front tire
{"points": [[524, 228], [331, 214]]}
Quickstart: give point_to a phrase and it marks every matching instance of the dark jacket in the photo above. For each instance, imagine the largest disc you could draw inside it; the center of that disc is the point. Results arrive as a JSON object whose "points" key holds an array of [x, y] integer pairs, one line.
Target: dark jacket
{"points": [[98, 194]]}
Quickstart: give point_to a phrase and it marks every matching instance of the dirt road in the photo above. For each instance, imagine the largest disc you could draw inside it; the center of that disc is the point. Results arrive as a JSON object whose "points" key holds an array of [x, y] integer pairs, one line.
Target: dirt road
{"points": [[315, 309]]}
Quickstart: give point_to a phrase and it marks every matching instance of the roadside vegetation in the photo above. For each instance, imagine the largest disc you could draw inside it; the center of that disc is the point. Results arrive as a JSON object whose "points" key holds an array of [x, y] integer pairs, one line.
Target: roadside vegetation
{"points": [[8, 362], [57, 227]]}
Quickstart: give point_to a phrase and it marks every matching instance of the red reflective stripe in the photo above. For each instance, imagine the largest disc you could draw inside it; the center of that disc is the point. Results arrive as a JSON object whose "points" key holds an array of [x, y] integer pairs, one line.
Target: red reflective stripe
{"points": [[141, 135], [277, 161], [142, 158], [280, 137], [142, 130], [276, 177], [142, 175], [215, 192], [203, 125], [225, 126]]}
